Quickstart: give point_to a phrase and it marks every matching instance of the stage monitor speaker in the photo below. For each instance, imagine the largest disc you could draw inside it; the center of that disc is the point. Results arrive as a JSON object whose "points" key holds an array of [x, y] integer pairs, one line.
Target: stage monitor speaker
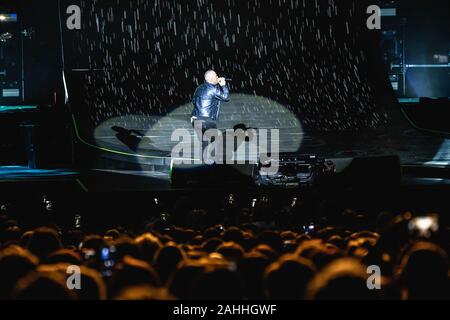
{"points": [[212, 175], [373, 171]]}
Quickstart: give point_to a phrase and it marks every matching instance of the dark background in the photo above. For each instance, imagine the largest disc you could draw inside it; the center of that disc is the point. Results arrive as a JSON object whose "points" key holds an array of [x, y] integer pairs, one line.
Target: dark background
{"points": [[309, 56], [42, 54], [155, 53], [43, 87], [428, 33]]}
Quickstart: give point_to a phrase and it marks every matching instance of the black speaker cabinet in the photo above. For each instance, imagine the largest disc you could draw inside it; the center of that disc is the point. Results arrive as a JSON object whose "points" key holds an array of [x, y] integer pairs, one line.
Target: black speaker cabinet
{"points": [[373, 171]]}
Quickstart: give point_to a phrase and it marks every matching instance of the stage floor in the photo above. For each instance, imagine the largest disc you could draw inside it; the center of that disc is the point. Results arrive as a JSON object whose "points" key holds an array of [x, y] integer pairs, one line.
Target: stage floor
{"points": [[138, 154], [411, 145], [20, 173], [147, 139], [137, 147]]}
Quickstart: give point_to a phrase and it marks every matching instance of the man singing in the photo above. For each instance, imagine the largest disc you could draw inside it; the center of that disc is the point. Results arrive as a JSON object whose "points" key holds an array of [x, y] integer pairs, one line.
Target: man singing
{"points": [[207, 100]]}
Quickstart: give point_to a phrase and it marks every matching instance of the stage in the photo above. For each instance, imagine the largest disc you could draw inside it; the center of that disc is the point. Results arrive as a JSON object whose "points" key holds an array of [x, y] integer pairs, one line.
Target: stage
{"points": [[146, 141]]}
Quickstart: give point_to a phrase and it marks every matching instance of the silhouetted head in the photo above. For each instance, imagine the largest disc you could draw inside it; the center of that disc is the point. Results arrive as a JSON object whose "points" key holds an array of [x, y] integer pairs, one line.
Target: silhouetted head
{"points": [[287, 278], [318, 252], [343, 279], [93, 286], [424, 272], [43, 241], [64, 256], [233, 234], [132, 272], [15, 263], [167, 260], [10, 234], [213, 232], [265, 250], [148, 245], [125, 246], [231, 251], [182, 281], [43, 286], [218, 284], [271, 239], [252, 268], [113, 234]]}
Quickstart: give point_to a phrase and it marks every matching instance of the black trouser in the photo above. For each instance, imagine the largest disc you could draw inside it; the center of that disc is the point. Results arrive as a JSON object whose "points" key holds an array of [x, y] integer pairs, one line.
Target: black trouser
{"points": [[206, 124]]}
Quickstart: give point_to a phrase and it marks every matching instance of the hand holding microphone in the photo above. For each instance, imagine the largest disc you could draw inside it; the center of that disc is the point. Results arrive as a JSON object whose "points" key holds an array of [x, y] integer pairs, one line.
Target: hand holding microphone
{"points": [[222, 82]]}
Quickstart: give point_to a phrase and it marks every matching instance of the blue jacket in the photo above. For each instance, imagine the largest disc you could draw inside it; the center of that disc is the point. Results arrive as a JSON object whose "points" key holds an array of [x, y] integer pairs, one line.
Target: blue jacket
{"points": [[207, 100]]}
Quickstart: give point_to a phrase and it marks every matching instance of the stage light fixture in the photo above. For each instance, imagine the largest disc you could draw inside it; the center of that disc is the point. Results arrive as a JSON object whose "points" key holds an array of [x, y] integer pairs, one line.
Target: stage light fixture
{"points": [[8, 17]]}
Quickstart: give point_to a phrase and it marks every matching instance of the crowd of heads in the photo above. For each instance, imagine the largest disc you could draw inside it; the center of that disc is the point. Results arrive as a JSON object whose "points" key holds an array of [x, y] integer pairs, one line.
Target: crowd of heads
{"points": [[253, 260]]}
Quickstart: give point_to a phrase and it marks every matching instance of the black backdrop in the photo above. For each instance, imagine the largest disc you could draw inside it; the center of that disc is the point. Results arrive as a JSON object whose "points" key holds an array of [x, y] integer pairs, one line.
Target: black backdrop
{"points": [[310, 56]]}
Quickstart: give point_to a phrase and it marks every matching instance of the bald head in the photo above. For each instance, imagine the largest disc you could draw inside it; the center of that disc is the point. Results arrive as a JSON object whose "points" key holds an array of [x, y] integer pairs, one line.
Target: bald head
{"points": [[211, 77]]}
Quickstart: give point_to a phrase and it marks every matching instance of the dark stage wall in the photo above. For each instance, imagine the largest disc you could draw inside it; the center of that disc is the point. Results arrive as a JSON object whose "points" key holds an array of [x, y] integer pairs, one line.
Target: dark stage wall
{"points": [[42, 58]]}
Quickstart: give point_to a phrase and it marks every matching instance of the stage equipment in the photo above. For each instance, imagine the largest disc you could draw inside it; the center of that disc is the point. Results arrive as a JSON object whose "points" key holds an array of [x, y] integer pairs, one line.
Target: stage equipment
{"points": [[295, 171], [381, 170], [11, 60]]}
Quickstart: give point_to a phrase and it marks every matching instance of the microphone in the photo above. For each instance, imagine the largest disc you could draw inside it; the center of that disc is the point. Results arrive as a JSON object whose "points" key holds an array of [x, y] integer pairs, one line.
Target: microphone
{"points": [[228, 80]]}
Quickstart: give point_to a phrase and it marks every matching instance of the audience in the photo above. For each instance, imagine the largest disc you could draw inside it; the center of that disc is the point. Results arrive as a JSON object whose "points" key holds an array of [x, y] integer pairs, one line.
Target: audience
{"points": [[193, 256]]}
